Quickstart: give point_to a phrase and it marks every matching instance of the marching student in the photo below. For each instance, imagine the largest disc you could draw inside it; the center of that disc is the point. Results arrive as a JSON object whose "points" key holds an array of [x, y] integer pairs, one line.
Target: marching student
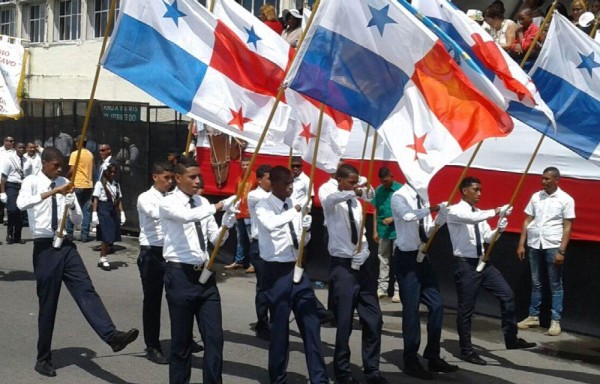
{"points": [[45, 196], [468, 230], [151, 262], [188, 224], [279, 226], [354, 283], [10, 185], [262, 306]]}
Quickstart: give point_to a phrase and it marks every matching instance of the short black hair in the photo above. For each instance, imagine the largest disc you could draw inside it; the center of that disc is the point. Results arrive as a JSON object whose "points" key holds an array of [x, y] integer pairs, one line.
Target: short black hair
{"points": [[384, 172], [183, 164], [553, 170], [296, 159], [345, 170], [468, 181], [260, 171], [161, 167], [279, 174], [52, 154]]}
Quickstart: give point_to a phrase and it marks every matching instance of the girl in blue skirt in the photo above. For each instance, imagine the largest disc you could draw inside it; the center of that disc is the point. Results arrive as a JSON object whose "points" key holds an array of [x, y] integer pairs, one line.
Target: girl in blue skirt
{"points": [[107, 212]]}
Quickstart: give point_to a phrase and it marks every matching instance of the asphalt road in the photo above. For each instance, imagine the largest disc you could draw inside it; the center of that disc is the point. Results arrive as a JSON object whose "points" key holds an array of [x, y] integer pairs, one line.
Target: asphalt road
{"points": [[80, 356]]}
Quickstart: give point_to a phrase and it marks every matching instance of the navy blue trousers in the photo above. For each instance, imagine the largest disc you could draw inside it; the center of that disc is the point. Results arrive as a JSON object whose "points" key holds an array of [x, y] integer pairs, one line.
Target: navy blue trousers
{"points": [[468, 281], [53, 266], [151, 264], [284, 297], [15, 216], [355, 290], [418, 284], [260, 301], [187, 298]]}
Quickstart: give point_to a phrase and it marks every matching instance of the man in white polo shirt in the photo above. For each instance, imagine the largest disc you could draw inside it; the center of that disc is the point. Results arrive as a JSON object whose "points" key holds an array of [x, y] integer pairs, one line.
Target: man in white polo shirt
{"points": [[547, 228]]}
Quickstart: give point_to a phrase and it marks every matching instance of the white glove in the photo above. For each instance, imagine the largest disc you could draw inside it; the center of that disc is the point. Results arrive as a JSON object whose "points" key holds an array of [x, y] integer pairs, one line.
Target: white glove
{"points": [[123, 218], [235, 208], [442, 215], [3, 197], [443, 206], [228, 202], [362, 181], [367, 194], [306, 222], [70, 200], [228, 220], [502, 224], [505, 210], [95, 219]]}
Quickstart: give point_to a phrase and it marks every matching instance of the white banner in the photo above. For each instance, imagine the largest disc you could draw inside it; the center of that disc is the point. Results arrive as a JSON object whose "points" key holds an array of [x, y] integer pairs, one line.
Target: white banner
{"points": [[11, 67]]}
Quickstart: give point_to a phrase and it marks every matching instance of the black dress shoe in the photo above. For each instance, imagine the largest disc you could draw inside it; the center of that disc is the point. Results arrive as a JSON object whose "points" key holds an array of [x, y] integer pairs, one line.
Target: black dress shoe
{"points": [[326, 317], [376, 379], [86, 239], [348, 380], [45, 368], [196, 348], [155, 355], [104, 265], [19, 241], [417, 370], [519, 344], [121, 339], [10, 240], [440, 365], [473, 358]]}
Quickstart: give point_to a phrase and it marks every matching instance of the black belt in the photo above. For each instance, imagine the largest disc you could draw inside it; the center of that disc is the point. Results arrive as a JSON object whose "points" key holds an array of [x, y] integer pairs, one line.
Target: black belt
{"points": [[341, 260], [13, 184], [470, 260], [185, 267], [150, 247]]}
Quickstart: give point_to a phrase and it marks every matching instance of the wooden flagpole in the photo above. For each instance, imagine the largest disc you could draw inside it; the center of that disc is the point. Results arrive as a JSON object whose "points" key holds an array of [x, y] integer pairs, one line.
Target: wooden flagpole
{"points": [[369, 176], [88, 112], [595, 27], [313, 167], [209, 264], [486, 256], [189, 139]]}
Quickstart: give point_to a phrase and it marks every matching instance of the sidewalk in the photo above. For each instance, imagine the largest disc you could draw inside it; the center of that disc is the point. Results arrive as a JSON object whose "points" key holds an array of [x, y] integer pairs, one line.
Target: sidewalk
{"points": [[81, 357]]}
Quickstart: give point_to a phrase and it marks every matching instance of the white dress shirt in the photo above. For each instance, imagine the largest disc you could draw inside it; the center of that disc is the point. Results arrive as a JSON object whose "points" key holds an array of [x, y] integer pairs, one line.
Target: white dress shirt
{"points": [[274, 234], [40, 211], [178, 220], [33, 164], [549, 212], [406, 218], [461, 223], [254, 197], [335, 209], [300, 191], [148, 207], [13, 168], [113, 188], [326, 189]]}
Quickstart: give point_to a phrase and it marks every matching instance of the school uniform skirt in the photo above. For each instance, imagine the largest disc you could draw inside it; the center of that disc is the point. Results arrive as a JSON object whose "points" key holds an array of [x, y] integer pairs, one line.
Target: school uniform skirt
{"points": [[109, 229]]}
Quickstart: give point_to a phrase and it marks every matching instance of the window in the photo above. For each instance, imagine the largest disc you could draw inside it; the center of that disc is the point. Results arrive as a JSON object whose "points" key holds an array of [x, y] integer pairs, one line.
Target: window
{"points": [[36, 25], [254, 5], [7, 21], [101, 10], [69, 19]]}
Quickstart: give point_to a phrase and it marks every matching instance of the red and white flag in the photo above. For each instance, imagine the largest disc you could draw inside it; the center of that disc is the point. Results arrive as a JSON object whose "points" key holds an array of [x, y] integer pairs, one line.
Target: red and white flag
{"points": [[302, 129]]}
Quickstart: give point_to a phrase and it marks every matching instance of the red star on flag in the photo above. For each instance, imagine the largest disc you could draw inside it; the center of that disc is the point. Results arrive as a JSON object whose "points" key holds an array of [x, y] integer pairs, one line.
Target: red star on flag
{"points": [[238, 119], [419, 145], [306, 133]]}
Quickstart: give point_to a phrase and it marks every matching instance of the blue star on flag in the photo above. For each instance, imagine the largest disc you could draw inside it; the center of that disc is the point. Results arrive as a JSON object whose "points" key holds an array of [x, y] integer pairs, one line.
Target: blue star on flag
{"points": [[588, 62], [380, 18], [253, 38], [173, 12]]}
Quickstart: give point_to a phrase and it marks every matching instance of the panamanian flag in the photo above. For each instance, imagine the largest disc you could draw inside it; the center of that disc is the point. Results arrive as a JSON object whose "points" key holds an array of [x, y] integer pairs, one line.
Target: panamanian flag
{"points": [[374, 60], [567, 73], [180, 54], [303, 123]]}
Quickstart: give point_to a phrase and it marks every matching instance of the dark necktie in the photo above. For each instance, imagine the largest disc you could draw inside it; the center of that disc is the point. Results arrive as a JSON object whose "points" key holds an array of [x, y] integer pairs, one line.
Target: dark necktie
{"points": [[54, 222], [292, 231], [477, 237], [422, 233], [353, 231], [199, 229]]}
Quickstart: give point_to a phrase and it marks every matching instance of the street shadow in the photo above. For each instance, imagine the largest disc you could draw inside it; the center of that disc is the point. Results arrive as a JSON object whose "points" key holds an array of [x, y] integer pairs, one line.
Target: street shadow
{"points": [[84, 359], [453, 347], [118, 264], [17, 275]]}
